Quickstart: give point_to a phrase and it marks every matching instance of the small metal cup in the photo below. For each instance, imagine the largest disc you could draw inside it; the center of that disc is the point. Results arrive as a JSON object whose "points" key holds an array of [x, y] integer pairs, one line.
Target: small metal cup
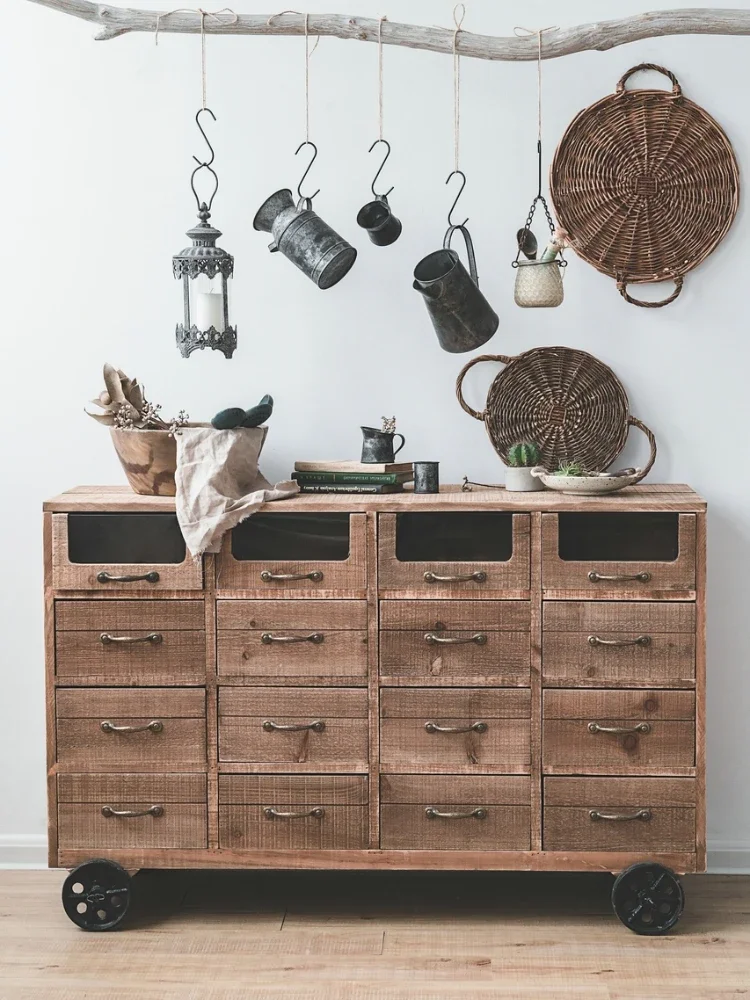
{"points": [[382, 226], [426, 477]]}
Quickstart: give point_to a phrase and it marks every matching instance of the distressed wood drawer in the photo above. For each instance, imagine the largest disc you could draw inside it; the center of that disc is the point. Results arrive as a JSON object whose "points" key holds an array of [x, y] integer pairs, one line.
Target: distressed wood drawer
{"points": [[659, 731], [249, 717], [317, 655], [88, 805], [159, 657], [322, 812], [494, 723], [454, 813], [179, 743], [331, 616], [620, 556], [482, 555], [121, 552], [295, 555], [618, 643], [619, 814]]}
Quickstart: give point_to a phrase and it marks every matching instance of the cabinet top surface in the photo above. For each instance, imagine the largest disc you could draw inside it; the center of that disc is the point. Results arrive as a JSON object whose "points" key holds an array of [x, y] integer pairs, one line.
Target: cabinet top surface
{"points": [[644, 497]]}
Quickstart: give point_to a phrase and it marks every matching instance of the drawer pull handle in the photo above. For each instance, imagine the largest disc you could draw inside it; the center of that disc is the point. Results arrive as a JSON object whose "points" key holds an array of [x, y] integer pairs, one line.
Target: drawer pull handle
{"points": [[317, 637], [474, 727], [479, 639], [432, 813], [317, 727], [108, 812], [479, 577], [595, 577], [644, 815], [641, 640], [317, 813], [155, 637], [152, 727], [268, 577], [104, 577], [639, 727]]}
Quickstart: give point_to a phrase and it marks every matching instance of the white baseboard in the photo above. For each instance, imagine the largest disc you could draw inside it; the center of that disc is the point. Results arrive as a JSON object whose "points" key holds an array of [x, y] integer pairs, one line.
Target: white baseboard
{"points": [[23, 850], [30, 851]]}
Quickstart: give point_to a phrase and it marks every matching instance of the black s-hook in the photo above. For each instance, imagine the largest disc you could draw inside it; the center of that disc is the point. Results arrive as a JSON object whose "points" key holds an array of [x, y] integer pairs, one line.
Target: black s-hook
{"points": [[309, 197], [462, 175], [204, 164], [382, 197]]}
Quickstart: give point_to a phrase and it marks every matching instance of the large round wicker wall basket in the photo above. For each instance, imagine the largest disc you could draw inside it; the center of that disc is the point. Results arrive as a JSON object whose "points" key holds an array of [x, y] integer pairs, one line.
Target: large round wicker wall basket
{"points": [[567, 402], [646, 184]]}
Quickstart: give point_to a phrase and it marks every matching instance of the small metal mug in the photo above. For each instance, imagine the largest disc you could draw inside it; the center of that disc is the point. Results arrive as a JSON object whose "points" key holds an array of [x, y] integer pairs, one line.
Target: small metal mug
{"points": [[426, 478], [377, 445], [382, 226]]}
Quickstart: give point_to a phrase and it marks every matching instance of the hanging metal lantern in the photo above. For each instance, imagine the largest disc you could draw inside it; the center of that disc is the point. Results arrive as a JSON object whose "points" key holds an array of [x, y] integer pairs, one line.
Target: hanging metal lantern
{"points": [[205, 270]]}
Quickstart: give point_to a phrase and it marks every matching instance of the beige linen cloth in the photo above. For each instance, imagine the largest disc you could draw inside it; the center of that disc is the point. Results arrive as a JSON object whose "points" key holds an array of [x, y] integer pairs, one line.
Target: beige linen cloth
{"points": [[219, 483]]}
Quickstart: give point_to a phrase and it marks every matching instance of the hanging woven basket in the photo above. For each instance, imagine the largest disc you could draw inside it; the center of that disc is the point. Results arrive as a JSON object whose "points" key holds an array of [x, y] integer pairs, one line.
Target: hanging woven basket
{"points": [[567, 402], [646, 184]]}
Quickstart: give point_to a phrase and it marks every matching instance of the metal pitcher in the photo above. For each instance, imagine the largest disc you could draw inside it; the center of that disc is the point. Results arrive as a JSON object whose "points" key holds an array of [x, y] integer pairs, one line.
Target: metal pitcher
{"points": [[377, 445], [462, 316], [381, 224], [302, 236]]}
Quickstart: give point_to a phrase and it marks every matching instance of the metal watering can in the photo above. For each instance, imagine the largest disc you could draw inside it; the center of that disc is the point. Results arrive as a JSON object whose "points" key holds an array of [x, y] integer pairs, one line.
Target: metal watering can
{"points": [[304, 238], [462, 316]]}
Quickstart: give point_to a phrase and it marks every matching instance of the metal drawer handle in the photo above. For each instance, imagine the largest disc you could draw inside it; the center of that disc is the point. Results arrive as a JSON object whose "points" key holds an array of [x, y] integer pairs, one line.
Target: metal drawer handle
{"points": [[317, 813], [642, 814], [108, 812], [641, 640], [154, 727], [479, 577], [432, 813], [317, 727], [479, 638], [267, 576], [155, 637], [104, 577], [595, 577], [317, 637], [640, 727], [475, 727]]}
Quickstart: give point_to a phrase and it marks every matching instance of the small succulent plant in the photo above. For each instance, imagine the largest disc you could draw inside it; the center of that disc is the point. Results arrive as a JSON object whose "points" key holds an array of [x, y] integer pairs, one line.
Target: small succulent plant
{"points": [[570, 469], [523, 455], [124, 405]]}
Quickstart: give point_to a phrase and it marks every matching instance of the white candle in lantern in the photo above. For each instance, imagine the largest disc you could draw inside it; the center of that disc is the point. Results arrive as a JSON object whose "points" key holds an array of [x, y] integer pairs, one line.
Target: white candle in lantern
{"points": [[209, 311]]}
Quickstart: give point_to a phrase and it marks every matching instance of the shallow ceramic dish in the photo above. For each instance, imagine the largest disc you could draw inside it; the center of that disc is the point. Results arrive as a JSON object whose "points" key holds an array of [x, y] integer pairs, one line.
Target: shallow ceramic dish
{"points": [[586, 486]]}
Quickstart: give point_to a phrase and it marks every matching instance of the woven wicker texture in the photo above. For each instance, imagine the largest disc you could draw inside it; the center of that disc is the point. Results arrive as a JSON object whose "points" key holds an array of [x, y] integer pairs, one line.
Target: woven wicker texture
{"points": [[646, 183], [570, 404]]}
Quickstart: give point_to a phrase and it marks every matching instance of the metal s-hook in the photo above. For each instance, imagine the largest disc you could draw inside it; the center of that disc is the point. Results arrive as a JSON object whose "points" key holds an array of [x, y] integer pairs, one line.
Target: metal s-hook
{"points": [[382, 197], [309, 197], [462, 175], [204, 165]]}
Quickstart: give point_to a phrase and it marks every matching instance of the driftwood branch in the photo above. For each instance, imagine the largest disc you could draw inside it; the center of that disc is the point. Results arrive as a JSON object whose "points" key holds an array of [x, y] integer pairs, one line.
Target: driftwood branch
{"points": [[599, 36]]}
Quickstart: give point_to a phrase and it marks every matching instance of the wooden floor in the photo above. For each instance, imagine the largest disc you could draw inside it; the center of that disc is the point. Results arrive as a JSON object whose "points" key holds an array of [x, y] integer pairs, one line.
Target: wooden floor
{"points": [[351, 936]]}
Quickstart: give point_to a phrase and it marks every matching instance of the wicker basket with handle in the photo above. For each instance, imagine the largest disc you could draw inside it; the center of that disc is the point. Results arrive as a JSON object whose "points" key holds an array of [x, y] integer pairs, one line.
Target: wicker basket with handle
{"points": [[646, 184], [570, 404]]}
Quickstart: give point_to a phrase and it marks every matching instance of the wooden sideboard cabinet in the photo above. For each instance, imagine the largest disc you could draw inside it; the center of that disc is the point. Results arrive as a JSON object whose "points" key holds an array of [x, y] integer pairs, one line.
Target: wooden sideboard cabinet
{"points": [[470, 680]]}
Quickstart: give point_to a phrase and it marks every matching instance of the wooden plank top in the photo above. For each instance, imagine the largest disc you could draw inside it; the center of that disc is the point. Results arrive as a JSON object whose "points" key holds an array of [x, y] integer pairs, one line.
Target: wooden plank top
{"points": [[644, 497]]}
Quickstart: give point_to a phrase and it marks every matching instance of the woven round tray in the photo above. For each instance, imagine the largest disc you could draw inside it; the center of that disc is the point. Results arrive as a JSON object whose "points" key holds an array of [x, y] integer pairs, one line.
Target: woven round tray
{"points": [[646, 184], [567, 402]]}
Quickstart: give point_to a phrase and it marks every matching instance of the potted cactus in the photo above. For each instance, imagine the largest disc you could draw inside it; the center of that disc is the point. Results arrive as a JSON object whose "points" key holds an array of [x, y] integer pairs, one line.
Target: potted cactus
{"points": [[522, 457]]}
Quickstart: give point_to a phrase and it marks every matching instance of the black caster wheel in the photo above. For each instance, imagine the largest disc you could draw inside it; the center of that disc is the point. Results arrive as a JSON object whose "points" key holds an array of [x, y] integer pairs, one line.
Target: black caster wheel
{"points": [[96, 895], [649, 899]]}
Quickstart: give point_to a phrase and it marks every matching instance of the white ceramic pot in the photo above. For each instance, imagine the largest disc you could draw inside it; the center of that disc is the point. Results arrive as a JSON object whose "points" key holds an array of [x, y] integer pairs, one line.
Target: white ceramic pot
{"points": [[520, 480]]}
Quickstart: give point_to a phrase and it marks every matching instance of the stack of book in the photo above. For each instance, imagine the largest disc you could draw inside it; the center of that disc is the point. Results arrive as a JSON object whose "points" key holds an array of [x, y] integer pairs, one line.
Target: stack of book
{"points": [[352, 477]]}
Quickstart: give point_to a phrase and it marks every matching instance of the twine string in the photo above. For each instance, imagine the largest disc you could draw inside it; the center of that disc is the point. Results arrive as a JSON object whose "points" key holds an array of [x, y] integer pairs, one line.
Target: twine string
{"points": [[458, 20], [203, 14], [308, 52], [383, 17]]}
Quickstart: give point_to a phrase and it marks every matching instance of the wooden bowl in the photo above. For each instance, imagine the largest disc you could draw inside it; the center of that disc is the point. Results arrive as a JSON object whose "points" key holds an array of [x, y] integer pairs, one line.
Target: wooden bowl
{"points": [[149, 459]]}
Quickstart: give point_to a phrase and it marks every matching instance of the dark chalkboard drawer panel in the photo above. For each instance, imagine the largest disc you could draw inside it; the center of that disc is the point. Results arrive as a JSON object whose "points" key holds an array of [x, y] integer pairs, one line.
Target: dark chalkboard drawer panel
{"points": [[619, 555]]}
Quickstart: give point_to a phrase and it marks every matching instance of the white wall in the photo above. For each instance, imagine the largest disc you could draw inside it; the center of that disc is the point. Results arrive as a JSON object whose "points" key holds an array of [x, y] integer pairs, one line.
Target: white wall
{"points": [[94, 165]]}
